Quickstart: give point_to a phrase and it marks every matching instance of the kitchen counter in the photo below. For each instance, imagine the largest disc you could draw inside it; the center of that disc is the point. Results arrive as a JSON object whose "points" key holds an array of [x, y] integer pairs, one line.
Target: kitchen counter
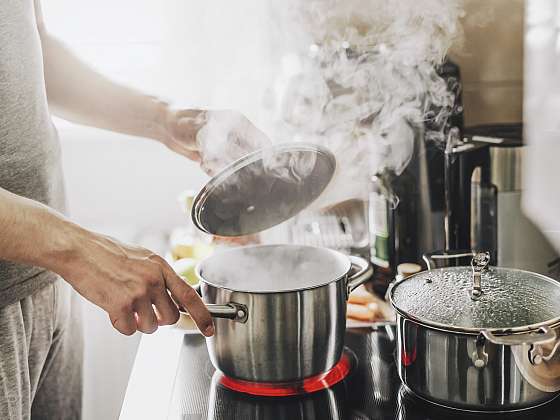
{"points": [[153, 375], [173, 378]]}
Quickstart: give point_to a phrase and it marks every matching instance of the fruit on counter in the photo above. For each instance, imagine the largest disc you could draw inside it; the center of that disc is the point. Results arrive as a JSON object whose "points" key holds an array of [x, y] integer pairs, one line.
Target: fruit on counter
{"points": [[186, 200], [202, 250], [184, 244], [368, 312], [185, 267], [361, 296], [368, 307], [197, 251], [180, 251]]}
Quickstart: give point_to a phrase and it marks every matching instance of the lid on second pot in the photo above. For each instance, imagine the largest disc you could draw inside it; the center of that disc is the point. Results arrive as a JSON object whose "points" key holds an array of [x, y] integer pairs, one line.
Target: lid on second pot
{"points": [[263, 189], [509, 298]]}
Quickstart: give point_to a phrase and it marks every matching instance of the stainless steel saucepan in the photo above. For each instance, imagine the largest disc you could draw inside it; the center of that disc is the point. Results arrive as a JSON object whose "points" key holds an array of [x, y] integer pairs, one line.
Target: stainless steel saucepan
{"points": [[280, 310]]}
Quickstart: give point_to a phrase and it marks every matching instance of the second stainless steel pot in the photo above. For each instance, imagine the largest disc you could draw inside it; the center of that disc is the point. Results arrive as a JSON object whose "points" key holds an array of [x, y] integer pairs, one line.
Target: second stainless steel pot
{"points": [[468, 371], [287, 309], [478, 338]]}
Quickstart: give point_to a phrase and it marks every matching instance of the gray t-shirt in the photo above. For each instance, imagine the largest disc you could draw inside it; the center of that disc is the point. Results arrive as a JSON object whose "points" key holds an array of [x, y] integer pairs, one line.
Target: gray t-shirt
{"points": [[30, 163]]}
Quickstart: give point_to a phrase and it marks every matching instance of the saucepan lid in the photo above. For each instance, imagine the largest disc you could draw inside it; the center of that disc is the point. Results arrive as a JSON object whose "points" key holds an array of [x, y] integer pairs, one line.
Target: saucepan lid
{"points": [[263, 189], [479, 297]]}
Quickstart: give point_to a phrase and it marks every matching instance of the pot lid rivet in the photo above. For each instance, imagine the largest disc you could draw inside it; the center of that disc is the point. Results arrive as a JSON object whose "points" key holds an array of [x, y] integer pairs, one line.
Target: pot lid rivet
{"points": [[479, 364], [537, 360]]}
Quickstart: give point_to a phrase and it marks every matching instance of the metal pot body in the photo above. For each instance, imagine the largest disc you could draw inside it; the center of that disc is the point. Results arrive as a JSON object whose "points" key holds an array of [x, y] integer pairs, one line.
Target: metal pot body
{"points": [[287, 336], [462, 370]]}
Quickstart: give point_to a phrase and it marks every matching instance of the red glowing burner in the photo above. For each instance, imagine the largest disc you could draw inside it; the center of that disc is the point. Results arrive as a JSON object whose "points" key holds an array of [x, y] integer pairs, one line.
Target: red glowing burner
{"points": [[286, 389]]}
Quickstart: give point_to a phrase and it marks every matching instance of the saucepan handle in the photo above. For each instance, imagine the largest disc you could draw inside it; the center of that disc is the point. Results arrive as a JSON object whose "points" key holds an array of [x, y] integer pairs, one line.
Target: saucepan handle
{"points": [[363, 271], [234, 311], [545, 335], [536, 340]]}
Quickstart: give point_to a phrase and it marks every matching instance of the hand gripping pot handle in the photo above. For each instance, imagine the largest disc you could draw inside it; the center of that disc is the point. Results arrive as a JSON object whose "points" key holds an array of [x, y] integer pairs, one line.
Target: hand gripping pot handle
{"points": [[362, 272]]}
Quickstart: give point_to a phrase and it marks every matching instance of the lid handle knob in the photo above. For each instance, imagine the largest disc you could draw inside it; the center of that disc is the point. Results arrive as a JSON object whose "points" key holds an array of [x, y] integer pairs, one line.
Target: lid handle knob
{"points": [[479, 264]]}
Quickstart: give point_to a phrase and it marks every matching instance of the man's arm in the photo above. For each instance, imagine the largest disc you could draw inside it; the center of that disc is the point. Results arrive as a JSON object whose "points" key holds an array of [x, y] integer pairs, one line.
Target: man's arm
{"points": [[125, 281], [79, 94]]}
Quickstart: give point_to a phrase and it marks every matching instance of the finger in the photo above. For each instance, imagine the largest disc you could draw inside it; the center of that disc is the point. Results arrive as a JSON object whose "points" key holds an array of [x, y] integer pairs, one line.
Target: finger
{"points": [[146, 319], [194, 116], [124, 322], [187, 125], [187, 297], [166, 310], [185, 131], [181, 149], [193, 155]]}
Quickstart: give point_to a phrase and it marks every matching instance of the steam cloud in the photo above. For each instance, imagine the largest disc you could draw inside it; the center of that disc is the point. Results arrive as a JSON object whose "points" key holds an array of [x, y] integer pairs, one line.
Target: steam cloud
{"points": [[225, 137], [357, 76]]}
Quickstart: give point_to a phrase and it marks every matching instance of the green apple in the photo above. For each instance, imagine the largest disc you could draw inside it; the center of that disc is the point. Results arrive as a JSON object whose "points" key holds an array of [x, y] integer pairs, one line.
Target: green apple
{"points": [[185, 267]]}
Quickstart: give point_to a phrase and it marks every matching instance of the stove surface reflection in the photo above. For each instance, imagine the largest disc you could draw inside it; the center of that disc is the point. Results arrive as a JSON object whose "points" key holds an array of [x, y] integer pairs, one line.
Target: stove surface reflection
{"points": [[371, 391]]}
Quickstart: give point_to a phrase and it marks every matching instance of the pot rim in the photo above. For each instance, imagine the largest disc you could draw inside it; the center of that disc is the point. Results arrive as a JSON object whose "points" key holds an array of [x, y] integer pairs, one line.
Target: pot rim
{"points": [[336, 254], [474, 330], [553, 323]]}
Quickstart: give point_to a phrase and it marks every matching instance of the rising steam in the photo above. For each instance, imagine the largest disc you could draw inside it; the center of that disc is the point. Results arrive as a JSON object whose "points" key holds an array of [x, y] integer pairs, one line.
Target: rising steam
{"points": [[358, 76]]}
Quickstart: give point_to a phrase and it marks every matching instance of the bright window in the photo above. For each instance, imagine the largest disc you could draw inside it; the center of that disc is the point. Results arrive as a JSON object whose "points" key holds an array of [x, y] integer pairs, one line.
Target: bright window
{"points": [[191, 52]]}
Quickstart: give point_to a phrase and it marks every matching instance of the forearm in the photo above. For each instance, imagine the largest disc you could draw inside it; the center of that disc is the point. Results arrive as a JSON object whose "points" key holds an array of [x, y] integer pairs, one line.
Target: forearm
{"points": [[127, 282], [79, 94], [34, 234]]}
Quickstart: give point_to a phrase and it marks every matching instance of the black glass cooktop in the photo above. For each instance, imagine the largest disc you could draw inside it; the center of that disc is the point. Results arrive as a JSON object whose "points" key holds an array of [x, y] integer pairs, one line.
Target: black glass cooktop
{"points": [[371, 392]]}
